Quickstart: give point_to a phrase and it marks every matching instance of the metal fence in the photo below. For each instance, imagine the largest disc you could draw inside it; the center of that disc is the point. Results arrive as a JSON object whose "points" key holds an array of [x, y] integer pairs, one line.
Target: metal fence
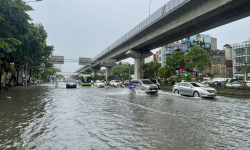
{"points": [[168, 8]]}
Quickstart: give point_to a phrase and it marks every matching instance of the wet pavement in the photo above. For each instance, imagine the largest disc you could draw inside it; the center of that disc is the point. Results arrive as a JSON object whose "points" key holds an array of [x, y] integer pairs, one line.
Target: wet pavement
{"points": [[45, 117]]}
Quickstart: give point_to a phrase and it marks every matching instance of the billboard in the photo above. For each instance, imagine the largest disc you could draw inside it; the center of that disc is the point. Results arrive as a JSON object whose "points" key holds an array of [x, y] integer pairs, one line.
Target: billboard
{"points": [[57, 59], [201, 40], [84, 61], [109, 63]]}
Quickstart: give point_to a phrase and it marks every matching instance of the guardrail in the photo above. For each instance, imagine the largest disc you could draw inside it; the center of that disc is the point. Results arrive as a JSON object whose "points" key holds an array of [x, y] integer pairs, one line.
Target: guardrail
{"points": [[165, 10], [171, 6]]}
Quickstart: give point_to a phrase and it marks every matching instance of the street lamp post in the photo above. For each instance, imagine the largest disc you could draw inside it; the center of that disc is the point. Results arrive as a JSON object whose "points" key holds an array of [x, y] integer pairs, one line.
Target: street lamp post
{"points": [[129, 72], [149, 7]]}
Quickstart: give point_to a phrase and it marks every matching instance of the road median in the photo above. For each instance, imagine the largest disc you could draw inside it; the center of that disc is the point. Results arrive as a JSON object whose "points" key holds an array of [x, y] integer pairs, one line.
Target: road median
{"points": [[219, 93]]}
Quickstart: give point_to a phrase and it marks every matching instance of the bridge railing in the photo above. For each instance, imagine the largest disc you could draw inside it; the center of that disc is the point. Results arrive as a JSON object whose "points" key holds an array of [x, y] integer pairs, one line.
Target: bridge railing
{"points": [[168, 8]]}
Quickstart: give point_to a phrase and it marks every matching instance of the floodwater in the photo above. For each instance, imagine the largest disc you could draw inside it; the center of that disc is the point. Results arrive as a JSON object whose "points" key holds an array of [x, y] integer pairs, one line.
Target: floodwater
{"points": [[45, 117]]}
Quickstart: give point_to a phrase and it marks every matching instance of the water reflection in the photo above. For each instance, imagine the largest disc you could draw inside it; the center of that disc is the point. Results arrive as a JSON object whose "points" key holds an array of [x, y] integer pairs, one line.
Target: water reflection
{"points": [[45, 117]]}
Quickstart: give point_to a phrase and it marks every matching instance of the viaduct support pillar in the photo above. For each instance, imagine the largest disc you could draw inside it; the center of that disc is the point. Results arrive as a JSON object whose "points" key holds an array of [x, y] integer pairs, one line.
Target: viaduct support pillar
{"points": [[95, 70], [108, 72], [139, 57]]}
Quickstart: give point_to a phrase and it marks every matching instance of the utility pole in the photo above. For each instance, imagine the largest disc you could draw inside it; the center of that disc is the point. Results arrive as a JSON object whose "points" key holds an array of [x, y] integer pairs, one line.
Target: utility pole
{"points": [[129, 72], [149, 7], [26, 73]]}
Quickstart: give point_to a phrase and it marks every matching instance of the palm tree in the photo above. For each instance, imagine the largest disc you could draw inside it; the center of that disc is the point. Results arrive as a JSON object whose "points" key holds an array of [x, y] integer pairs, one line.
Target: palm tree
{"points": [[211, 76]]}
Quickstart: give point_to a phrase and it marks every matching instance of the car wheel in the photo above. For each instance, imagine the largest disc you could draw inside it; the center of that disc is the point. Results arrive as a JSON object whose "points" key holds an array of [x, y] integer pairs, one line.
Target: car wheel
{"points": [[176, 92], [196, 94]]}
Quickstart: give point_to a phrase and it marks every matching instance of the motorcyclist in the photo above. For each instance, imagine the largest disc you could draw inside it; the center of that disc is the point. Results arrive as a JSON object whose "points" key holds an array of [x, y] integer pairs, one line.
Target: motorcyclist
{"points": [[56, 83], [131, 85]]}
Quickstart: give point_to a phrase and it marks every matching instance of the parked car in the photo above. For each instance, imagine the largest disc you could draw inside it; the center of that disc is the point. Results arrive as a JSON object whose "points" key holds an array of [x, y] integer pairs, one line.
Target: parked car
{"points": [[231, 80], [71, 83], [237, 84], [155, 82], [99, 84], [205, 83], [145, 85], [194, 89], [114, 83]]}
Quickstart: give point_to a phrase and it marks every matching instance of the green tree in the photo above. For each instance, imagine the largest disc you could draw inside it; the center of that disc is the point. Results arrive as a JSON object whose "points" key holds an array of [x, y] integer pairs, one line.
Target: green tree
{"points": [[122, 69], [211, 76], [48, 70], [57, 70], [175, 61], [164, 72], [150, 69], [197, 57]]}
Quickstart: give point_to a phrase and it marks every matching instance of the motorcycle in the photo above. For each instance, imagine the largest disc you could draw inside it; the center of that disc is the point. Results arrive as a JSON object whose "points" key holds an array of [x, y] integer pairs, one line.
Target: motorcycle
{"points": [[56, 85], [132, 89]]}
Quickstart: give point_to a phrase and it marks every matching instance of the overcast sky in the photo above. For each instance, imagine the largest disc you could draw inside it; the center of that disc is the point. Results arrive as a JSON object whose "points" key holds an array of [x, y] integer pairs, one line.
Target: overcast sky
{"points": [[81, 28]]}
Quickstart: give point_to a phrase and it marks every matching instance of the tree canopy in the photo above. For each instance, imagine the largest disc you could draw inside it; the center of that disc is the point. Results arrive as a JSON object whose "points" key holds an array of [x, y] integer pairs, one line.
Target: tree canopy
{"points": [[21, 41], [197, 57], [150, 69]]}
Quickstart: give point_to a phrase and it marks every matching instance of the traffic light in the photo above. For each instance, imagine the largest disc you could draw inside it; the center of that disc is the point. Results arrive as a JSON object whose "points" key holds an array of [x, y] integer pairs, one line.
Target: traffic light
{"points": [[186, 74]]}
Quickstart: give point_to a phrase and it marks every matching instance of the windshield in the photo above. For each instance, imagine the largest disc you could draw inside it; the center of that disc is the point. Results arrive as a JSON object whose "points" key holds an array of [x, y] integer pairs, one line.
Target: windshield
{"points": [[86, 79], [98, 81], [71, 81], [197, 84], [154, 81], [117, 81], [146, 82]]}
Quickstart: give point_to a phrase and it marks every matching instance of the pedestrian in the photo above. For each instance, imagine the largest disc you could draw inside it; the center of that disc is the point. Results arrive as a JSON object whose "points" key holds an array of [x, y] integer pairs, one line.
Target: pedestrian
{"points": [[31, 82]]}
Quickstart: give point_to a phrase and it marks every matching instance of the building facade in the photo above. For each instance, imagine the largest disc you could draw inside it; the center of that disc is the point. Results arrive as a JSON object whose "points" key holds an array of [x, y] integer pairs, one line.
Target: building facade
{"points": [[241, 58], [219, 64]]}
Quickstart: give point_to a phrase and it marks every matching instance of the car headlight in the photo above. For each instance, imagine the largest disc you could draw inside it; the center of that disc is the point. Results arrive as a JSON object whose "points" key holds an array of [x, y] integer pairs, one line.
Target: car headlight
{"points": [[204, 91]]}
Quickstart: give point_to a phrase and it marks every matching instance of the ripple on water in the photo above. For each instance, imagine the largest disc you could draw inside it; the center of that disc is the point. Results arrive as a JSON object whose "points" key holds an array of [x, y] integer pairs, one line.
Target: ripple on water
{"points": [[111, 118]]}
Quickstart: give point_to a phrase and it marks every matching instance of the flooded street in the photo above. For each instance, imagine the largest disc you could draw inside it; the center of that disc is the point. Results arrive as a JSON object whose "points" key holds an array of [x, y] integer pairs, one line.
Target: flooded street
{"points": [[46, 117]]}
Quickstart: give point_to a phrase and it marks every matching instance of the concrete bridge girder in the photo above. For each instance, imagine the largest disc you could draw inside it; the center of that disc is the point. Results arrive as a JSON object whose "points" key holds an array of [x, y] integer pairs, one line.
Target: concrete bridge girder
{"points": [[194, 17]]}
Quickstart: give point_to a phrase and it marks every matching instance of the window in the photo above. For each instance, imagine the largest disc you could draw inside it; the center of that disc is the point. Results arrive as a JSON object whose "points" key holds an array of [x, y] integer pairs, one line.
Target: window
{"points": [[197, 84], [187, 85], [248, 51], [159, 51], [181, 84], [159, 58], [146, 82]]}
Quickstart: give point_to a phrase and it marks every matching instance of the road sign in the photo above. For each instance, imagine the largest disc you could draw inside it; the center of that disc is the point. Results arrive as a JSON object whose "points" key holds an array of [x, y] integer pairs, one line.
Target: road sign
{"points": [[57, 59], [109, 63], [84, 61]]}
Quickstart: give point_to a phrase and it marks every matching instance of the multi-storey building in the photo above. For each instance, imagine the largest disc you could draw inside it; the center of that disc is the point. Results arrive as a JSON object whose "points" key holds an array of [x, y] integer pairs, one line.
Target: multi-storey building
{"points": [[241, 57]]}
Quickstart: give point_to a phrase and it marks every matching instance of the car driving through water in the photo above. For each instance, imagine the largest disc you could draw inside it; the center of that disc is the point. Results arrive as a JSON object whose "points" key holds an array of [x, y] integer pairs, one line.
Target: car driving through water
{"points": [[145, 85], [99, 84], [114, 83], [71, 83], [194, 89]]}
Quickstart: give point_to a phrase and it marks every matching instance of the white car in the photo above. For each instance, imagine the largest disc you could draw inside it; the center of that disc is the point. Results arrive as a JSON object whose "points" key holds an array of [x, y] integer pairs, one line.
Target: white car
{"points": [[205, 83], [114, 83], [99, 84], [237, 84]]}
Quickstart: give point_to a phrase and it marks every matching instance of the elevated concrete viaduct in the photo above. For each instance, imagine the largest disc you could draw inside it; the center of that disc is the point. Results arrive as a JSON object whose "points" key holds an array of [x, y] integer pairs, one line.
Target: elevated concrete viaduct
{"points": [[168, 24]]}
